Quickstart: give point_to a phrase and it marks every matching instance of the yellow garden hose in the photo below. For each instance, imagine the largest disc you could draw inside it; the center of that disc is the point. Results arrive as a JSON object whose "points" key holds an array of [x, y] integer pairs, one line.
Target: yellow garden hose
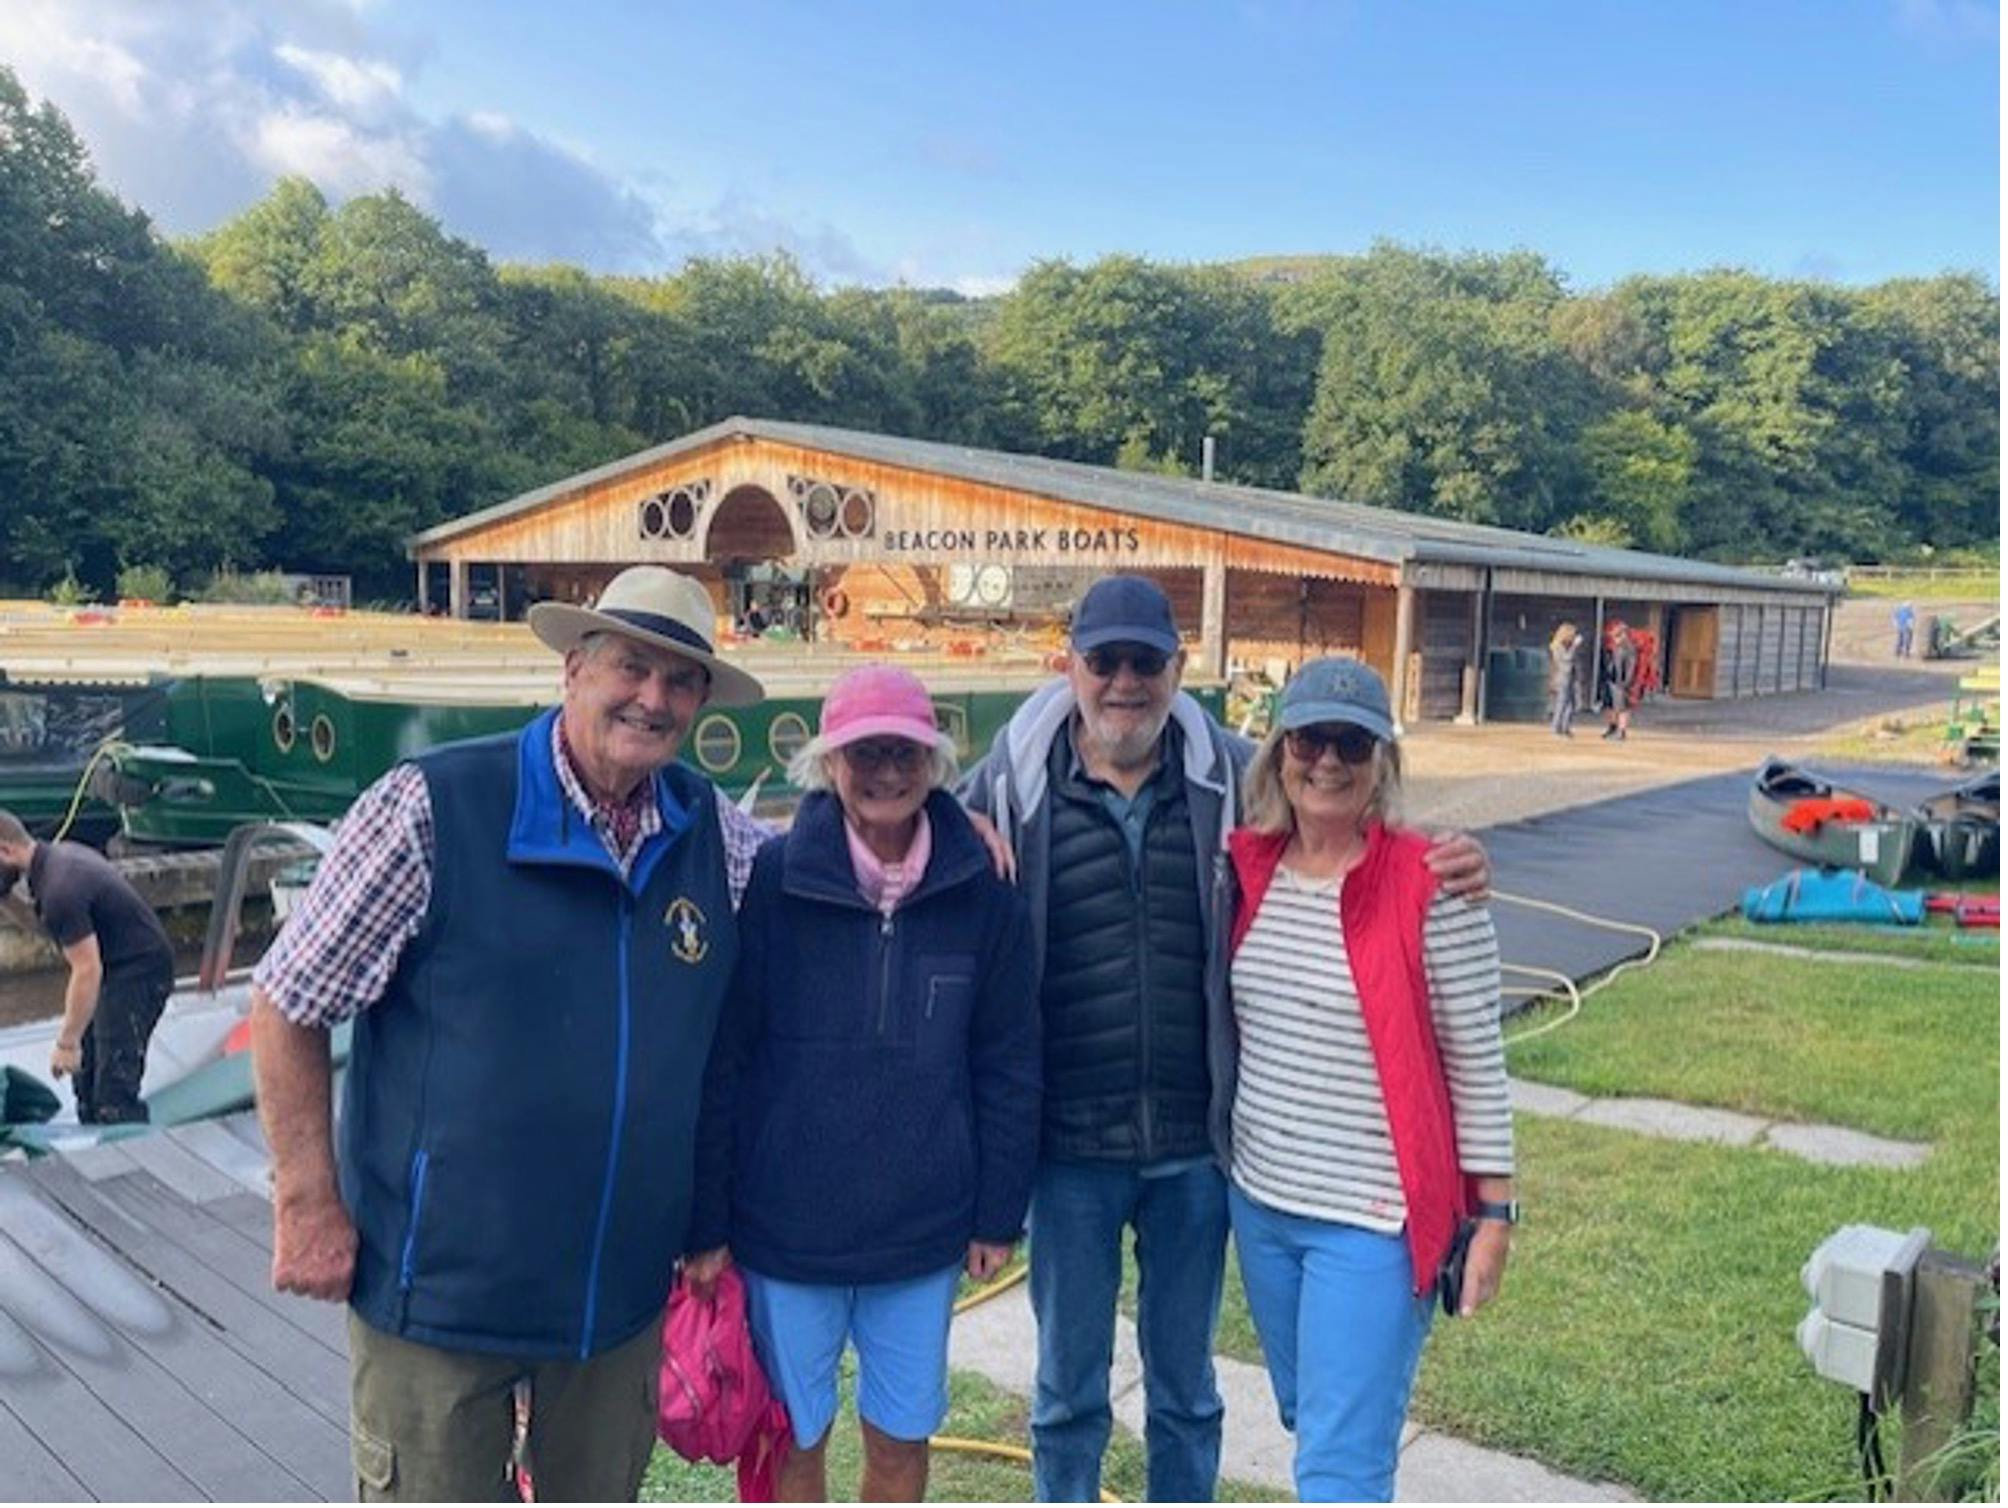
{"points": [[1011, 1277]]}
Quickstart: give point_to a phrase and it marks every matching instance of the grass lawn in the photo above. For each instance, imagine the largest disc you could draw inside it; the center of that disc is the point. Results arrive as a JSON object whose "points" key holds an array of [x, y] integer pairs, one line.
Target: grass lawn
{"points": [[977, 1411], [1937, 941], [1645, 1334], [1976, 586], [1911, 741], [1911, 1052]]}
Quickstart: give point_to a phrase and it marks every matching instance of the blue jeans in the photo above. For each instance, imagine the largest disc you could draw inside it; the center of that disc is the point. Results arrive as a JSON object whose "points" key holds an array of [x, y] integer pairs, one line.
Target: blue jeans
{"points": [[1342, 1329], [1180, 1218]]}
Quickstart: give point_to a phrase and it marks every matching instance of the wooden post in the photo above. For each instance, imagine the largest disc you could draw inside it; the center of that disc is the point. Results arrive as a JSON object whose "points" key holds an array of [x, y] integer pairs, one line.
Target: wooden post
{"points": [[1467, 705], [456, 588], [1937, 1397], [1596, 651], [1404, 636], [1213, 615]]}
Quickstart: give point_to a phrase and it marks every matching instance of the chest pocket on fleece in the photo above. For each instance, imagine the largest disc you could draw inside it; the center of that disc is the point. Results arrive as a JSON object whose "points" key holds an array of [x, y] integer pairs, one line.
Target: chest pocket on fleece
{"points": [[946, 984]]}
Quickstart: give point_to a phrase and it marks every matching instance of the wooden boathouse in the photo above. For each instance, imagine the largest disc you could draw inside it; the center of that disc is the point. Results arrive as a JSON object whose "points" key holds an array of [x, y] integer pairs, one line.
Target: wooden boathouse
{"points": [[885, 544]]}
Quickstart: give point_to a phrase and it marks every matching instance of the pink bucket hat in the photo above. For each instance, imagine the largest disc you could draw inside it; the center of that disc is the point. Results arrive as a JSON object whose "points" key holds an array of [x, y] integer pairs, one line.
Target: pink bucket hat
{"points": [[876, 701]]}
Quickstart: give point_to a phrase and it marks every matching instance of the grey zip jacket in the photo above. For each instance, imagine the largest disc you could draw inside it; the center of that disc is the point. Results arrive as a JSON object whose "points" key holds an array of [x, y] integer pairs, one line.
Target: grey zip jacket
{"points": [[1009, 786]]}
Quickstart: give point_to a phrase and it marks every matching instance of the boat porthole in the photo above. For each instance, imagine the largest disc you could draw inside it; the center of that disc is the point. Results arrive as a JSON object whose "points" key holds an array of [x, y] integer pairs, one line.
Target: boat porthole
{"points": [[322, 735], [954, 721], [786, 735], [283, 732], [717, 743]]}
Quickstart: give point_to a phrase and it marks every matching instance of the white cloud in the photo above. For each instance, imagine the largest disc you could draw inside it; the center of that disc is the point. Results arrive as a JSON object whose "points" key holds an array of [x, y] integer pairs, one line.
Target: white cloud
{"points": [[358, 84], [340, 158], [192, 108], [979, 286]]}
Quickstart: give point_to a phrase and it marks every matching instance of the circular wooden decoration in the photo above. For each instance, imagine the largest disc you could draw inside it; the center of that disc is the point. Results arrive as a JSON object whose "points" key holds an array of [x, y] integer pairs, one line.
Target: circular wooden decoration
{"points": [[321, 734], [654, 521], [857, 514], [820, 507], [682, 513], [284, 734]]}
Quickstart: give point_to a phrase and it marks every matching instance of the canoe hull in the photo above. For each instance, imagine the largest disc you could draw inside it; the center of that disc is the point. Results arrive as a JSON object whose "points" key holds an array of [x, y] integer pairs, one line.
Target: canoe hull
{"points": [[1881, 848]]}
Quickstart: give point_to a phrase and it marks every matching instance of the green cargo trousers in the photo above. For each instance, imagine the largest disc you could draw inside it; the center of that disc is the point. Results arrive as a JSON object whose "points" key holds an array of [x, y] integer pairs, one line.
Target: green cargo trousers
{"points": [[429, 1425]]}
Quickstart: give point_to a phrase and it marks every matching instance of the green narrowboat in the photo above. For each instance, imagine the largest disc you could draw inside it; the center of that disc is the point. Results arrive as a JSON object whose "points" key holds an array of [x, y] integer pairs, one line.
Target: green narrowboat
{"points": [[237, 749], [51, 733]]}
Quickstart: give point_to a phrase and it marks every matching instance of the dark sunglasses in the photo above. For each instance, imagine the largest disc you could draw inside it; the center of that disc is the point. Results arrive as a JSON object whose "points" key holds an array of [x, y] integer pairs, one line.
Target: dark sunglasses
{"points": [[1105, 660], [877, 753], [1355, 745]]}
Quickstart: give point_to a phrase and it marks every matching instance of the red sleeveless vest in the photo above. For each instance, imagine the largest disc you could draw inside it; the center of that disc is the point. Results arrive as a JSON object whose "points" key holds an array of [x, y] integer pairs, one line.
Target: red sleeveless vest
{"points": [[1382, 905]]}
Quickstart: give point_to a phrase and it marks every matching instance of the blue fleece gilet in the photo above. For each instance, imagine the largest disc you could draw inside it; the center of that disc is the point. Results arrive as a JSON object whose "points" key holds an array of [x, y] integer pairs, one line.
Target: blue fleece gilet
{"points": [[520, 1115]]}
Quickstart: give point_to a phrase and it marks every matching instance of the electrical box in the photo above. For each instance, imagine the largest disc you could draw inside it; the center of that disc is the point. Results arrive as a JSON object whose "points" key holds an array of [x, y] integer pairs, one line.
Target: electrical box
{"points": [[1859, 1279]]}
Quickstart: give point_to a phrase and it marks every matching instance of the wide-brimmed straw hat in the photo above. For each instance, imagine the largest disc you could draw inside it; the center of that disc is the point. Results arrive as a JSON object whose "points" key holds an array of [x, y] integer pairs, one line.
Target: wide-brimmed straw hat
{"points": [[658, 607]]}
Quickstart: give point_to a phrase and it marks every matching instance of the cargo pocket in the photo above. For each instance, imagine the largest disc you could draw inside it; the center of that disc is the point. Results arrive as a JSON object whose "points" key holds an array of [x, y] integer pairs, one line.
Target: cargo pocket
{"points": [[375, 1462]]}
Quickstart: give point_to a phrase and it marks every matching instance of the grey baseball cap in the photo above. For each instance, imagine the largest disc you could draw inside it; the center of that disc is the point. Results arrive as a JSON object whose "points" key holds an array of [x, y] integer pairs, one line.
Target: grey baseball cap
{"points": [[1337, 690]]}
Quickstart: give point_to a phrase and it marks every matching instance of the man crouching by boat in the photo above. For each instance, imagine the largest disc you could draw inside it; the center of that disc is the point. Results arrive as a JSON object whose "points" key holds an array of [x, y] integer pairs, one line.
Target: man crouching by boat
{"points": [[121, 966], [533, 934]]}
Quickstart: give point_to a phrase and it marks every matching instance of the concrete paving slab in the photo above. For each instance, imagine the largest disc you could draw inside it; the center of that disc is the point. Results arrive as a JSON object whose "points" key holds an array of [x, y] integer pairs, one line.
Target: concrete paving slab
{"points": [[1254, 1446], [1675, 1121], [1546, 1099], [1823, 955], [1838, 1147], [998, 1341], [1440, 1469]]}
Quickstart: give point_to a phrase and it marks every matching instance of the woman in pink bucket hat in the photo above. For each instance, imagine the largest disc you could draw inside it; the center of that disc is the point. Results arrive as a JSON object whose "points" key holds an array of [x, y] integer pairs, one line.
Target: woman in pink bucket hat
{"points": [[871, 1114]]}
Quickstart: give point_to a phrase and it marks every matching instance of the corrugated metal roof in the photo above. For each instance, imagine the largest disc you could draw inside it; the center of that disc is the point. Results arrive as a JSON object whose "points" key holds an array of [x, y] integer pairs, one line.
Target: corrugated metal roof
{"points": [[1289, 518]]}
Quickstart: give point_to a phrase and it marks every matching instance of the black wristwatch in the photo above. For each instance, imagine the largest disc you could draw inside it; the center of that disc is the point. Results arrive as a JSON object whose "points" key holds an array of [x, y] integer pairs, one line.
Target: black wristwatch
{"points": [[1494, 1209]]}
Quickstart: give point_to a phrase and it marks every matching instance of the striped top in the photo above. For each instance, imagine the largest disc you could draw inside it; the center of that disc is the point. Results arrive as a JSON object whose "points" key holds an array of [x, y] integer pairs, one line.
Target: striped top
{"points": [[1310, 1125]]}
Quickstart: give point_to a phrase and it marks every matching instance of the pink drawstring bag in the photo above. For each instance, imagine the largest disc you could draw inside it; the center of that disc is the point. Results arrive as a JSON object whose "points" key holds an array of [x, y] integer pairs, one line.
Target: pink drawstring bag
{"points": [[715, 1404]]}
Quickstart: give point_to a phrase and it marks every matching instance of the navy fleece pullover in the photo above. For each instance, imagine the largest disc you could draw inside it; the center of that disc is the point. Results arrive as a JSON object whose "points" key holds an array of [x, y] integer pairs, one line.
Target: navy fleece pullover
{"points": [[872, 1104]]}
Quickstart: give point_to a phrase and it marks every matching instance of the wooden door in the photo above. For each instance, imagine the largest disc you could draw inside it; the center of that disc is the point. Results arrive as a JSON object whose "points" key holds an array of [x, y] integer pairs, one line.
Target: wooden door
{"points": [[1694, 644]]}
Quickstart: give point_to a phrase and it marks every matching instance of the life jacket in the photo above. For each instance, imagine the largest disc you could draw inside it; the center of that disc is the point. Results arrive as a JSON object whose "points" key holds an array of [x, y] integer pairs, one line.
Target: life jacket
{"points": [[1383, 904]]}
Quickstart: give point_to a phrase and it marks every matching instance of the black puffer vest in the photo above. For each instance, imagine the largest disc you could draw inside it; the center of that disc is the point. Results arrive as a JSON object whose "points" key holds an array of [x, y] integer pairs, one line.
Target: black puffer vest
{"points": [[1124, 994]]}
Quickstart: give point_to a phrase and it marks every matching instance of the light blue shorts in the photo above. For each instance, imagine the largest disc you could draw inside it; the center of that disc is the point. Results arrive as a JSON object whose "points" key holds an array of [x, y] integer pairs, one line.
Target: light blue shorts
{"points": [[901, 1334]]}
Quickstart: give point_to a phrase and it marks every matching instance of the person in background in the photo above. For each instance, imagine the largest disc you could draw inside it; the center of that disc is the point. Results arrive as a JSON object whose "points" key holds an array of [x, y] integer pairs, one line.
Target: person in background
{"points": [[1620, 671], [1116, 791], [1371, 1113], [1905, 619], [121, 967], [1565, 653], [871, 1111]]}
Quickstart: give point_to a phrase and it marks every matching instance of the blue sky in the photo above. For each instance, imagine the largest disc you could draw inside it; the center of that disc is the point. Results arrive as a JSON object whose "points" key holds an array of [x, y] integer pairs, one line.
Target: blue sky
{"points": [[954, 144]]}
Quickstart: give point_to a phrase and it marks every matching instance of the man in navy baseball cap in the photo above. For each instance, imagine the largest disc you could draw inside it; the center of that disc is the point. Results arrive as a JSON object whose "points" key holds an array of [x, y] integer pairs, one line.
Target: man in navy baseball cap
{"points": [[1125, 610]]}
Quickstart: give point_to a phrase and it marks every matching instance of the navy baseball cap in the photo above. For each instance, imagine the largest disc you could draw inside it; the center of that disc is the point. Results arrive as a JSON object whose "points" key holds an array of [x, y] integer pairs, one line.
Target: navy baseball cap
{"points": [[1125, 610], [1337, 690]]}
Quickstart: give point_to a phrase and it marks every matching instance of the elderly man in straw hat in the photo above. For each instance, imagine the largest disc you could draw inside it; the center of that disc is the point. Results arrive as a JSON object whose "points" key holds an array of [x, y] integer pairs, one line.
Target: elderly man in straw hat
{"points": [[532, 934]]}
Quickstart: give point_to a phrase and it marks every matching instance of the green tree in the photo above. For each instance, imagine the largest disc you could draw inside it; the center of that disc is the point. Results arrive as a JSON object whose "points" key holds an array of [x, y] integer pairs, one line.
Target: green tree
{"points": [[1443, 387], [1638, 472], [264, 257]]}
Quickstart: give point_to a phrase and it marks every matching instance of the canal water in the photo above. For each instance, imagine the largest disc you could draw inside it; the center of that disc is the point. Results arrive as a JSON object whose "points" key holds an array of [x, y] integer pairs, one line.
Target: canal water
{"points": [[38, 995]]}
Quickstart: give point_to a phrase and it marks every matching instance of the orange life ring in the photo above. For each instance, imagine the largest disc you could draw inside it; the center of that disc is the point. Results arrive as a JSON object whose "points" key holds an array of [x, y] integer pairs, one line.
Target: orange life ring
{"points": [[835, 603]]}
